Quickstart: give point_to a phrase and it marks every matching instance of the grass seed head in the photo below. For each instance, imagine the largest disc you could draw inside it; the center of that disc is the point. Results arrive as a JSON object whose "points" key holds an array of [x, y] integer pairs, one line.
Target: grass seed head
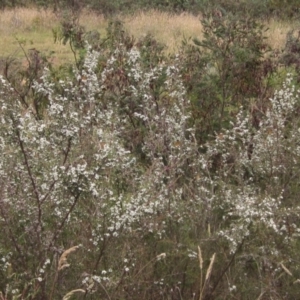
{"points": [[69, 295], [63, 263], [212, 260], [200, 258]]}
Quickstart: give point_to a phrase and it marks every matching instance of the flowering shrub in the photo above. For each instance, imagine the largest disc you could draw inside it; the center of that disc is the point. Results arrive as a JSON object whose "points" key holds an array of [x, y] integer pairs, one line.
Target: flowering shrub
{"points": [[255, 182], [112, 164]]}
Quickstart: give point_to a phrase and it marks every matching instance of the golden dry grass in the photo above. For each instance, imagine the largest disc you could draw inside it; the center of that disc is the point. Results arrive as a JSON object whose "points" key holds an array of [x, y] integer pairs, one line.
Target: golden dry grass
{"points": [[169, 29], [277, 32], [63, 263], [12, 21], [34, 28], [70, 294]]}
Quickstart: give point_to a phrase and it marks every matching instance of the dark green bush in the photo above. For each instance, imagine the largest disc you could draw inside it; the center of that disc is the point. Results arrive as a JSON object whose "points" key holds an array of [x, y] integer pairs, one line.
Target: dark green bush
{"points": [[227, 69], [290, 57]]}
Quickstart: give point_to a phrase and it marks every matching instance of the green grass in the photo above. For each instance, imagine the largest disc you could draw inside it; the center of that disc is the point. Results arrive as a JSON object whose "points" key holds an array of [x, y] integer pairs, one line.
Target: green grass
{"points": [[30, 29]]}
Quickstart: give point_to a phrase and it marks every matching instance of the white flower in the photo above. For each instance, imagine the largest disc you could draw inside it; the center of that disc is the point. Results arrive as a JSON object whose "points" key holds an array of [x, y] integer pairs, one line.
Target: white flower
{"points": [[232, 288]]}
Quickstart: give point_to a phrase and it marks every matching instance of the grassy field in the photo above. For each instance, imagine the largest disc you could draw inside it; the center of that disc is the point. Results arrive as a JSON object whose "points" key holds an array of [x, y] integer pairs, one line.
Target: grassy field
{"points": [[33, 29]]}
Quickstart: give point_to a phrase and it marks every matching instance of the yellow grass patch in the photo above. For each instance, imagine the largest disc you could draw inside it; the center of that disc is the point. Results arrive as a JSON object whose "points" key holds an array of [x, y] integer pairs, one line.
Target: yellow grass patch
{"points": [[22, 19], [277, 32], [33, 28], [169, 29], [93, 21]]}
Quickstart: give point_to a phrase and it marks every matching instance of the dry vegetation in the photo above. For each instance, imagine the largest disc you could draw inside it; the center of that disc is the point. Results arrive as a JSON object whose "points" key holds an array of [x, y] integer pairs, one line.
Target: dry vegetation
{"points": [[277, 32], [148, 162], [33, 28], [166, 28]]}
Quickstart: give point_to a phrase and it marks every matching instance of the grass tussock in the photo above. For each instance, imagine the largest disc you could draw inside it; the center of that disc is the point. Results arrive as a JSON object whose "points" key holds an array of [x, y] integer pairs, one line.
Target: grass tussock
{"points": [[277, 32]]}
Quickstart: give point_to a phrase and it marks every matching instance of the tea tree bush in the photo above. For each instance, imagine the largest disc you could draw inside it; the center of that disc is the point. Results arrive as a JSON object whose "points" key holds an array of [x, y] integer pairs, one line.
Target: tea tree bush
{"points": [[107, 192], [72, 174], [256, 174], [229, 67]]}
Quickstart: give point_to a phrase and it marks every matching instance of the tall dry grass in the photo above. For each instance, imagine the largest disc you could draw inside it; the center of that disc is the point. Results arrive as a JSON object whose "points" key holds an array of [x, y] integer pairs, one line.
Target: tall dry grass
{"points": [[208, 272], [24, 19], [34, 28], [169, 29], [63, 264], [277, 31]]}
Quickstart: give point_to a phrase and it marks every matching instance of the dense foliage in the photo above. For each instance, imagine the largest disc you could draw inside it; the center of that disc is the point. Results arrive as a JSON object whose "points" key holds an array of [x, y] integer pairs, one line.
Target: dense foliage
{"points": [[132, 175]]}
